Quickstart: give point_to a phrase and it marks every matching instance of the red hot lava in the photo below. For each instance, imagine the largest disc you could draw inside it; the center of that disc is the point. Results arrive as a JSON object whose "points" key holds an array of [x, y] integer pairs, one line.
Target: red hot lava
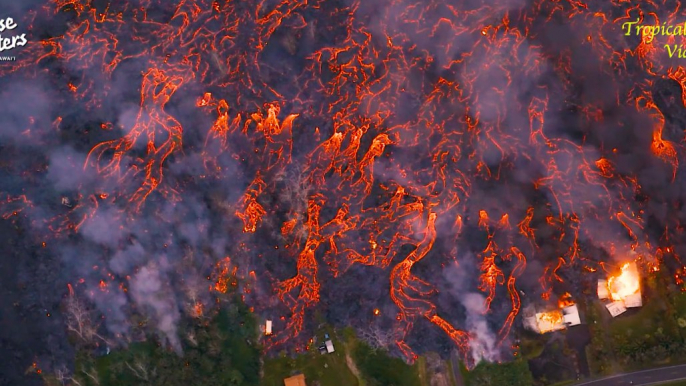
{"points": [[481, 136]]}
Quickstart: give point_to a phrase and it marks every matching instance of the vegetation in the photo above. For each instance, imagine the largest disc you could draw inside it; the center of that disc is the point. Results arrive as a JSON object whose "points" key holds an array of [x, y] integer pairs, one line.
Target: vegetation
{"points": [[652, 336], [531, 345], [598, 353], [219, 352], [380, 369], [326, 369], [514, 373]]}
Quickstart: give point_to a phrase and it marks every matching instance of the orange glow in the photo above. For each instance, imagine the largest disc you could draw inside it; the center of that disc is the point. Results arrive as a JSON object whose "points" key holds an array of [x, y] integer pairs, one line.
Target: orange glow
{"points": [[565, 300], [328, 145], [625, 284], [550, 321], [197, 309]]}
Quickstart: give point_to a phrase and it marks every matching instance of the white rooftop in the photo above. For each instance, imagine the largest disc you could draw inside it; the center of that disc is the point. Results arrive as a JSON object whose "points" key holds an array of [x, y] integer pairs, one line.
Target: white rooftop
{"points": [[571, 315], [603, 291], [633, 301], [551, 321], [616, 308], [329, 347]]}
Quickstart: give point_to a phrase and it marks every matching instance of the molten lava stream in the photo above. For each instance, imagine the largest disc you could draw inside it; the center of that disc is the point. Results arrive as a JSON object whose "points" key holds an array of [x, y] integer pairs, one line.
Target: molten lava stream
{"points": [[512, 290], [156, 90], [402, 282]]}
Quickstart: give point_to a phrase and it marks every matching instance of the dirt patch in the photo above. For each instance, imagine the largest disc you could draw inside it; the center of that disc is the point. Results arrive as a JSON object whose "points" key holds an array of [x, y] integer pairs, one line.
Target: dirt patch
{"points": [[437, 370], [351, 365]]}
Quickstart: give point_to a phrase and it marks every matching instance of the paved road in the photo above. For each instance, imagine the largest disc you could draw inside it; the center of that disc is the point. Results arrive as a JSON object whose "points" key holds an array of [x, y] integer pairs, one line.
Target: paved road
{"points": [[641, 378]]}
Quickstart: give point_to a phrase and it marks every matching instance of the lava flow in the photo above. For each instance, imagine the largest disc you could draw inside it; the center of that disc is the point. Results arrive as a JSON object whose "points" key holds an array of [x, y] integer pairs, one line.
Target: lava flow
{"points": [[393, 166]]}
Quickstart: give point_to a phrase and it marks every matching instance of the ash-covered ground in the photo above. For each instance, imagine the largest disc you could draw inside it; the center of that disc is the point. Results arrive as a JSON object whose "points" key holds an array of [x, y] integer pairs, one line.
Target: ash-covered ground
{"points": [[409, 169]]}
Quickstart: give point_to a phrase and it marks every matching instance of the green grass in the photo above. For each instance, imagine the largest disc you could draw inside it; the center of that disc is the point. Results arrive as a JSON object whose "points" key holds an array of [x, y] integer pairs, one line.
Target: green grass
{"points": [[531, 346], [453, 381], [515, 373], [421, 371], [380, 369], [220, 354], [647, 321], [376, 367], [676, 383], [564, 383], [327, 369], [679, 302]]}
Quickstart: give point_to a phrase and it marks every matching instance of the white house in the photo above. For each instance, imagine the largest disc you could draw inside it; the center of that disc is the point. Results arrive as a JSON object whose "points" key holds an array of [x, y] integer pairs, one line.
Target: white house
{"points": [[329, 346]]}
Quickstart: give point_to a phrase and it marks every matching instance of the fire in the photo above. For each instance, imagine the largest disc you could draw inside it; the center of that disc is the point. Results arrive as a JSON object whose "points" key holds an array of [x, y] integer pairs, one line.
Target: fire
{"points": [[625, 284], [565, 300], [550, 321], [197, 309], [326, 141]]}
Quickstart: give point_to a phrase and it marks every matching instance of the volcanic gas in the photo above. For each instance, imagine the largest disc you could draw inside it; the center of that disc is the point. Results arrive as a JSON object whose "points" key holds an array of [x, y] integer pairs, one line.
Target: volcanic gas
{"points": [[415, 169]]}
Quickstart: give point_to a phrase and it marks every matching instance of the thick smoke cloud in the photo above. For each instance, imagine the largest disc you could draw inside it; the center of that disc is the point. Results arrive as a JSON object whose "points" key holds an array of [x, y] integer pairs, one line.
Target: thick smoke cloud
{"points": [[479, 116]]}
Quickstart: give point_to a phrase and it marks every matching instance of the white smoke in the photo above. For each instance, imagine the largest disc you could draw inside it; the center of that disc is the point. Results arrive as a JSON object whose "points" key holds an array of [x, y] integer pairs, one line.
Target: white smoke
{"points": [[148, 291], [483, 343]]}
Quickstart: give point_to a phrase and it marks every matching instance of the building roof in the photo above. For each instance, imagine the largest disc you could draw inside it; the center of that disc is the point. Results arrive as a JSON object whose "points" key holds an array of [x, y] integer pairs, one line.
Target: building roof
{"points": [[329, 346], [296, 380], [634, 300], [616, 308], [603, 291], [549, 321], [571, 315]]}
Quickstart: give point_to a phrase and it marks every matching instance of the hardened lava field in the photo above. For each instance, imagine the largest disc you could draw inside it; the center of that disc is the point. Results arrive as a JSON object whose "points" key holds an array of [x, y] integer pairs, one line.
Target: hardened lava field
{"points": [[409, 168]]}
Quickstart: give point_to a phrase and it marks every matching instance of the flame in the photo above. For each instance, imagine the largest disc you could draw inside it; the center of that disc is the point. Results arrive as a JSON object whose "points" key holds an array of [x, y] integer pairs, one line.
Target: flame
{"points": [[625, 284], [549, 321], [565, 300], [369, 175]]}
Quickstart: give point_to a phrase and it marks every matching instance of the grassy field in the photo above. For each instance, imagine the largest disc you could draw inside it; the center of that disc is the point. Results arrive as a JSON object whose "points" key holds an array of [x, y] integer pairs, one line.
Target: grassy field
{"points": [[650, 336], [515, 373], [327, 369], [352, 364]]}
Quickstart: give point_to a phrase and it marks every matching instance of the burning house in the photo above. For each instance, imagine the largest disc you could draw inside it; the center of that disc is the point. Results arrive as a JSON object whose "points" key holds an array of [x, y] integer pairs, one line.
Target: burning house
{"points": [[548, 321], [622, 291], [337, 168]]}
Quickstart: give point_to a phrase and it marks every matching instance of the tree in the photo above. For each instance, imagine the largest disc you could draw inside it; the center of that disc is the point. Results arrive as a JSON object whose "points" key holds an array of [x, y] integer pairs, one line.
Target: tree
{"points": [[79, 321]]}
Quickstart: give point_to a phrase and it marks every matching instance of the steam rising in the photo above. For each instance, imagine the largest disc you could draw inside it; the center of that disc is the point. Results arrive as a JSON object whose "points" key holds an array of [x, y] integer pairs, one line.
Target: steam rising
{"points": [[529, 144]]}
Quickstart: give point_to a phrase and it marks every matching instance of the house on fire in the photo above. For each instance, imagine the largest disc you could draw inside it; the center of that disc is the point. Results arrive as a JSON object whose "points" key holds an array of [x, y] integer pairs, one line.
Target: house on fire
{"points": [[622, 291], [548, 321]]}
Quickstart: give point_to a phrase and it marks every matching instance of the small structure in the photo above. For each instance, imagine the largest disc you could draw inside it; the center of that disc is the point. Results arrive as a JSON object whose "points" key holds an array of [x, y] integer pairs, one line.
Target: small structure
{"points": [[296, 380], [329, 346], [268, 327], [616, 308], [549, 321], [322, 349], [603, 290], [621, 291], [633, 301], [570, 316], [554, 320]]}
